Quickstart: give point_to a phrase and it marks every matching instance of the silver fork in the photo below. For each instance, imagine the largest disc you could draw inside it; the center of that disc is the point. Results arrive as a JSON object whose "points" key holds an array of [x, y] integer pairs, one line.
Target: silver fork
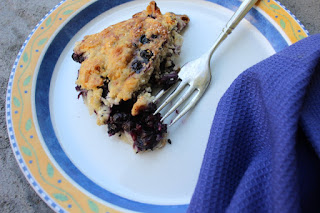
{"points": [[196, 74]]}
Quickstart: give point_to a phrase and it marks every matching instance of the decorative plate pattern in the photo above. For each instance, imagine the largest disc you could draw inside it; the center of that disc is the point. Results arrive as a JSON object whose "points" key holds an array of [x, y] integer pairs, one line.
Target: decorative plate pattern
{"points": [[52, 185]]}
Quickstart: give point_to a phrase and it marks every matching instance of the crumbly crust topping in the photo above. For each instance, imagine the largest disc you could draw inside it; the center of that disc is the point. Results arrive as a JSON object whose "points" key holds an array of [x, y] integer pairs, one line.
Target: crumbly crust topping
{"points": [[124, 53]]}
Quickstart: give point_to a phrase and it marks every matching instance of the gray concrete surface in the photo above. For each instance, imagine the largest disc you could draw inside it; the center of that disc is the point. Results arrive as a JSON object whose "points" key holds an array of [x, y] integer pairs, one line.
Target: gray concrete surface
{"points": [[17, 19]]}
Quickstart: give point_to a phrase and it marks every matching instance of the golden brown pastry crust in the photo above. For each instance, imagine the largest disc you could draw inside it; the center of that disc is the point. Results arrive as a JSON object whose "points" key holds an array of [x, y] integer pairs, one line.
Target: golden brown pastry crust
{"points": [[110, 53]]}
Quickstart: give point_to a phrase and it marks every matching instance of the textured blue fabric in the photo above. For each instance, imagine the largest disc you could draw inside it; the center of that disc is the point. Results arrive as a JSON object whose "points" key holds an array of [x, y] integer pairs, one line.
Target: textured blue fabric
{"points": [[264, 145]]}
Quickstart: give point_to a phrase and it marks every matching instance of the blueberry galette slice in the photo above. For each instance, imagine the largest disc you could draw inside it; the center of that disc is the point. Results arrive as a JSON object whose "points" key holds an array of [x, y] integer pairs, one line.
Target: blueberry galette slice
{"points": [[122, 64]]}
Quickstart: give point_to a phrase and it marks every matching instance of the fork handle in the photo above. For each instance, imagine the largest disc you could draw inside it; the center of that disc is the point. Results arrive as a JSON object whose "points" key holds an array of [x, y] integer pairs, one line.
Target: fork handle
{"points": [[243, 9]]}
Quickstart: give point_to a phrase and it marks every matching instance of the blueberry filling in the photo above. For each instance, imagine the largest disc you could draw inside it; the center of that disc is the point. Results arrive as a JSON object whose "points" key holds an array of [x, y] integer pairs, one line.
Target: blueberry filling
{"points": [[105, 89], [144, 40], [163, 65], [146, 129], [168, 80], [78, 57]]}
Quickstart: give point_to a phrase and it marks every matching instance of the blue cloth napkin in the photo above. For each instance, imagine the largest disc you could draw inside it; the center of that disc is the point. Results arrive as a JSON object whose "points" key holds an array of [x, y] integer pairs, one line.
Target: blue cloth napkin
{"points": [[264, 145]]}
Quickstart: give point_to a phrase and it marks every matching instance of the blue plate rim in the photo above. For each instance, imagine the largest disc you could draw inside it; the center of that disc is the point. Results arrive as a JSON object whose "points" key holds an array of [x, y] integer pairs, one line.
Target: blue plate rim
{"points": [[17, 153]]}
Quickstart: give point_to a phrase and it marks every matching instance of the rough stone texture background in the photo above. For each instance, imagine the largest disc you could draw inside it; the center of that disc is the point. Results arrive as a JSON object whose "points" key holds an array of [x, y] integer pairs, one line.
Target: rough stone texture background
{"points": [[17, 19]]}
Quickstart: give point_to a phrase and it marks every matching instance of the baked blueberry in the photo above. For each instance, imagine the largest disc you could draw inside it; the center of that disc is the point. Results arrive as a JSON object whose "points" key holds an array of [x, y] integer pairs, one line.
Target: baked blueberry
{"points": [[136, 66], [146, 55], [144, 40]]}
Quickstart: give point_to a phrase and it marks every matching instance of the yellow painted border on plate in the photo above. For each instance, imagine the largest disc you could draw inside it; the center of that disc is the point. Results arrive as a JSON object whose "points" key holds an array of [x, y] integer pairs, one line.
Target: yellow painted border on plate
{"points": [[34, 157], [286, 21]]}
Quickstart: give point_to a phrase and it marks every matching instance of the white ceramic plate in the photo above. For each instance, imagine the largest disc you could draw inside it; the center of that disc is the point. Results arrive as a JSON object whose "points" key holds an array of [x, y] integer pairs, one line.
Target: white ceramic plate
{"points": [[169, 175], [103, 168]]}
